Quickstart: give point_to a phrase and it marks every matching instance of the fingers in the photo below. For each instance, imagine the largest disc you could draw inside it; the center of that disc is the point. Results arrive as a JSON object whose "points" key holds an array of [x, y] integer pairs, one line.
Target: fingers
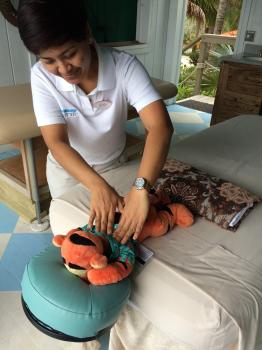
{"points": [[137, 232], [133, 217], [103, 213], [120, 204], [125, 231], [110, 221], [91, 218], [104, 221]]}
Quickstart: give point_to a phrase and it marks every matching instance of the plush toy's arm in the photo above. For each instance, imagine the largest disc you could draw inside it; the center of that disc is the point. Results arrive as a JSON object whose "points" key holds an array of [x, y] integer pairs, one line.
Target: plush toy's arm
{"points": [[112, 273], [98, 261], [121, 267]]}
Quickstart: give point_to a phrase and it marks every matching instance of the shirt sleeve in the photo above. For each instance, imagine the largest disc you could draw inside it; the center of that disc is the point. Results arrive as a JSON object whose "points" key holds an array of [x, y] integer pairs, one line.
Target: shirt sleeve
{"points": [[139, 89], [46, 107]]}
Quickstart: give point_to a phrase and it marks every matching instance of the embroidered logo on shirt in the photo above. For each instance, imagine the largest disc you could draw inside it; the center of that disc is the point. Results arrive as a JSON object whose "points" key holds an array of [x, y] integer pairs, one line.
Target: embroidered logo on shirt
{"points": [[69, 112]]}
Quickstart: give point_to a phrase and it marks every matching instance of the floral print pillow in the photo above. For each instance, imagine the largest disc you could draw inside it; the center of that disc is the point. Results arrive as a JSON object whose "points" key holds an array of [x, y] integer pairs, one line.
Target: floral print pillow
{"points": [[209, 196]]}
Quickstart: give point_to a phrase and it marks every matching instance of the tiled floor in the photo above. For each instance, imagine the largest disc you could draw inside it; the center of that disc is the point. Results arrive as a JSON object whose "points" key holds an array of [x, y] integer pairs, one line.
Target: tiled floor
{"points": [[186, 122], [7, 154], [18, 243]]}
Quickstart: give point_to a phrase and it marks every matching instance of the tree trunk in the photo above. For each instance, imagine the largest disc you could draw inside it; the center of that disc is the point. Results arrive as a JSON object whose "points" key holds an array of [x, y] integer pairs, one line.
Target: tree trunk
{"points": [[221, 11]]}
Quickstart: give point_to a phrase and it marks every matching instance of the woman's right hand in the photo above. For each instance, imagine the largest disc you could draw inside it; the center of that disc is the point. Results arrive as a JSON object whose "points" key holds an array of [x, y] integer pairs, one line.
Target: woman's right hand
{"points": [[103, 204]]}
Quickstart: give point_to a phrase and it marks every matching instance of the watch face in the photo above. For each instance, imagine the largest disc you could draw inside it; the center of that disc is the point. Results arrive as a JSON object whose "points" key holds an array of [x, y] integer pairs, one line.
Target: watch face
{"points": [[140, 183]]}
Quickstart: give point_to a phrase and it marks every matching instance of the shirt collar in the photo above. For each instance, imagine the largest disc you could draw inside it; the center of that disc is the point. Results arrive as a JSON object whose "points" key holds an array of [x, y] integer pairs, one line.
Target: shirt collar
{"points": [[106, 72], [106, 69]]}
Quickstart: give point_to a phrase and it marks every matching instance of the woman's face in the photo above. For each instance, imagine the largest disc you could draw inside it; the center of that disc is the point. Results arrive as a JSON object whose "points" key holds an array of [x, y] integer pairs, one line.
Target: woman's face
{"points": [[70, 61]]}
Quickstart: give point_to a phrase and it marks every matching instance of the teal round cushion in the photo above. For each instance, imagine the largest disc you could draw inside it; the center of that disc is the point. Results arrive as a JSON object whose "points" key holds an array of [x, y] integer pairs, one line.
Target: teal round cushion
{"points": [[66, 303]]}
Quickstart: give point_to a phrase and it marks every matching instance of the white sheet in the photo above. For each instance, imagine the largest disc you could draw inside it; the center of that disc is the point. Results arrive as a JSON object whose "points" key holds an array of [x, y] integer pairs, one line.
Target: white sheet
{"points": [[226, 267], [166, 298]]}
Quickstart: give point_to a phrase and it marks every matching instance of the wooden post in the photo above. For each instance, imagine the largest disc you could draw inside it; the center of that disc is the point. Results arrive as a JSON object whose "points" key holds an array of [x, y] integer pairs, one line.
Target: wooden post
{"points": [[206, 40], [200, 66]]}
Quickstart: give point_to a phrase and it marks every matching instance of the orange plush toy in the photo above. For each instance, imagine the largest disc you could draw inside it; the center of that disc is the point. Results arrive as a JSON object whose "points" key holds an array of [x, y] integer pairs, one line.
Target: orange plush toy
{"points": [[100, 259], [163, 216]]}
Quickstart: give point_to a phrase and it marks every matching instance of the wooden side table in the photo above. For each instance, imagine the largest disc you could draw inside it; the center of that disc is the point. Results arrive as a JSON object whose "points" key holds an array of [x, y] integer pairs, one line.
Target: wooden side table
{"points": [[239, 90]]}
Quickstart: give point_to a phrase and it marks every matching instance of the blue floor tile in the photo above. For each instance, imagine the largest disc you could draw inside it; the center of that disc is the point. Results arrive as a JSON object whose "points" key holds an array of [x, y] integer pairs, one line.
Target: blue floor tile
{"points": [[189, 129], [9, 154], [20, 248], [206, 117], [8, 219], [178, 108], [8, 282]]}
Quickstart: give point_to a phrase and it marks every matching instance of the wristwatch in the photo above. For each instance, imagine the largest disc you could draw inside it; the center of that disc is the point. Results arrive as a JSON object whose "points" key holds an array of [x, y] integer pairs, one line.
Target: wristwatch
{"points": [[141, 183]]}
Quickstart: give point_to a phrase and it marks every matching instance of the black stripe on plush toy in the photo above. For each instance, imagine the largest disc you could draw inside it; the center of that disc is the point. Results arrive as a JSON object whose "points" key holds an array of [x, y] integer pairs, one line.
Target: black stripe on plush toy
{"points": [[123, 263], [164, 207], [77, 239], [76, 267]]}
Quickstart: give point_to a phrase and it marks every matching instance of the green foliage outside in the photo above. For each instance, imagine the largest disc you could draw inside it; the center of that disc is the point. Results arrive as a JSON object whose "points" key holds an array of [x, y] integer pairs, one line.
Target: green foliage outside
{"points": [[187, 82], [209, 81], [192, 30]]}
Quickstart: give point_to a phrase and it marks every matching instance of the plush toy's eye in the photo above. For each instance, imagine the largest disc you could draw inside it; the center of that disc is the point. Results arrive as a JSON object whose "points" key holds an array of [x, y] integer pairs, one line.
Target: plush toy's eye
{"points": [[77, 239]]}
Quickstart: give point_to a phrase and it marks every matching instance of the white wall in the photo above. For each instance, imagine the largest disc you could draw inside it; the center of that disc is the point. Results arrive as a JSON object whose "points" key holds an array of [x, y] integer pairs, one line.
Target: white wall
{"points": [[151, 33], [255, 20], [251, 19], [14, 59], [160, 26], [6, 72]]}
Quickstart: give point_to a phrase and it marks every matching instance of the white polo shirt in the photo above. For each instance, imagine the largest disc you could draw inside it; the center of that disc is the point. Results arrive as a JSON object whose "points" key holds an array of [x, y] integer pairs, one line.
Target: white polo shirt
{"points": [[95, 122]]}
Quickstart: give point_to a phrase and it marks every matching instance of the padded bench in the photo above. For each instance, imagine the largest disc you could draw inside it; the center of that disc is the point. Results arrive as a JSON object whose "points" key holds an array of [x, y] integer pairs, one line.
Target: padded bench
{"points": [[161, 292]]}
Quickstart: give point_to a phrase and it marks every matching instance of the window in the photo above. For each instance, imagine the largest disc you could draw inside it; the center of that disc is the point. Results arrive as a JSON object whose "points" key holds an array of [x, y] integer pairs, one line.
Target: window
{"points": [[113, 21]]}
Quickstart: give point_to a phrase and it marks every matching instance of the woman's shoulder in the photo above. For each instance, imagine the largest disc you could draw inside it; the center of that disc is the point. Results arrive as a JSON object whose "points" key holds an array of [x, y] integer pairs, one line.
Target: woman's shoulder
{"points": [[122, 57]]}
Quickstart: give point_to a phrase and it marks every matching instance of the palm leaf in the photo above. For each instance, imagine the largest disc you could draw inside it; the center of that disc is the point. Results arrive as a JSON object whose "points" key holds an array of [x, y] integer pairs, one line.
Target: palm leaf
{"points": [[194, 11]]}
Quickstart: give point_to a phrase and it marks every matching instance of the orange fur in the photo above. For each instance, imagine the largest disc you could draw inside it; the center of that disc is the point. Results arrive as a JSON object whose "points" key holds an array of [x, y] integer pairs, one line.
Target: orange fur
{"points": [[83, 251]]}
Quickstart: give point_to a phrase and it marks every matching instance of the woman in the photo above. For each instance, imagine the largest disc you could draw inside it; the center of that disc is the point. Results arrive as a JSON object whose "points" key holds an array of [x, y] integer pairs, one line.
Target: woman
{"points": [[80, 95]]}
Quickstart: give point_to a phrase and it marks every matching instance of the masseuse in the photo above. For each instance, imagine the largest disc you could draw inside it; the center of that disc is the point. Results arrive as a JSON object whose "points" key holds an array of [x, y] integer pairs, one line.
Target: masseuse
{"points": [[80, 95]]}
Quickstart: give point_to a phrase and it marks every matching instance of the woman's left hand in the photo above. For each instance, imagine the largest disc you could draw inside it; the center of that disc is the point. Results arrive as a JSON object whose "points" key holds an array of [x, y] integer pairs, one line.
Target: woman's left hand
{"points": [[133, 215]]}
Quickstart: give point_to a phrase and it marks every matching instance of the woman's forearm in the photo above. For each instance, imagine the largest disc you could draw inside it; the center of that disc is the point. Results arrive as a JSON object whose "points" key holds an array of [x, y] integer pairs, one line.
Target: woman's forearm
{"points": [[75, 165], [155, 152]]}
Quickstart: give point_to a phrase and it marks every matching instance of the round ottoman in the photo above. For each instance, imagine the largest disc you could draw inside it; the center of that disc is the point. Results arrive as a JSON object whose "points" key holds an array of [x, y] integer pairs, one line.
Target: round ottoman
{"points": [[65, 307]]}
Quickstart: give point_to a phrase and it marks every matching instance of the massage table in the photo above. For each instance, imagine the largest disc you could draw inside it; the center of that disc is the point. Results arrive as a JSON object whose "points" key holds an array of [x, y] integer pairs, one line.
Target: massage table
{"points": [[202, 289]]}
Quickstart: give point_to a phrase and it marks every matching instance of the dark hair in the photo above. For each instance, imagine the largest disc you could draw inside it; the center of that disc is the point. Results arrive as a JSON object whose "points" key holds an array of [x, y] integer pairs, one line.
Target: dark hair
{"points": [[48, 23]]}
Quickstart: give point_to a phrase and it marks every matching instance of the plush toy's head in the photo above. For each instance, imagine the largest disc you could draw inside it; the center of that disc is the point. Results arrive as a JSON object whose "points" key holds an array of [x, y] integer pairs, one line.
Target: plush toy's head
{"points": [[81, 251], [96, 257], [101, 259]]}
